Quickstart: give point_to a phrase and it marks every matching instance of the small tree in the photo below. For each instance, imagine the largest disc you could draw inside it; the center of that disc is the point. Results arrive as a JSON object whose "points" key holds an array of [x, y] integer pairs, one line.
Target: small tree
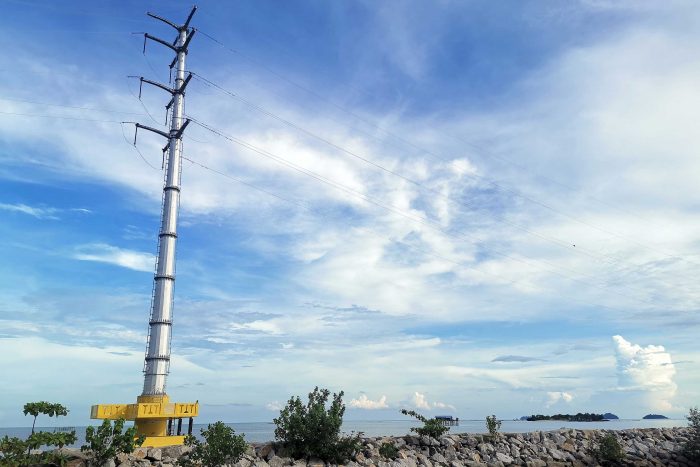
{"points": [[691, 448], [18, 452], [45, 408], [609, 451], [431, 427], [222, 446], [311, 430], [105, 442], [493, 425]]}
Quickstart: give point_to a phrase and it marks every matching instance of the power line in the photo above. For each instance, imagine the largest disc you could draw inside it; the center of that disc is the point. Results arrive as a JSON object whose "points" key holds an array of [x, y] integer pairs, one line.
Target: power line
{"points": [[460, 204], [138, 151], [428, 152], [351, 192], [77, 107], [376, 234], [60, 117], [371, 200], [142, 104], [136, 148]]}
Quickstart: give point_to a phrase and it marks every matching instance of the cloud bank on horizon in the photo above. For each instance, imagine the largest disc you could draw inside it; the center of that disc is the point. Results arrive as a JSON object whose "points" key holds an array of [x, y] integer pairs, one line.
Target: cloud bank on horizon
{"points": [[440, 212]]}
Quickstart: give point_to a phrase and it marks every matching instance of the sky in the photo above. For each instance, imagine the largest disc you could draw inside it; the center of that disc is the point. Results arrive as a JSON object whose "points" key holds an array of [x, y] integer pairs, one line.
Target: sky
{"points": [[459, 207]]}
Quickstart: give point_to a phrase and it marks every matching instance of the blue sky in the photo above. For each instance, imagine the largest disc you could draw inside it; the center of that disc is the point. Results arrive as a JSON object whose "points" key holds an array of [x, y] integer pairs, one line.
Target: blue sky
{"points": [[492, 206]]}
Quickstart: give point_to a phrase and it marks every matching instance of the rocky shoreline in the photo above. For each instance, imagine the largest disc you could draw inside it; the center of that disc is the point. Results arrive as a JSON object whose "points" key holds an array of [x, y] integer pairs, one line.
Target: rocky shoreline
{"points": [[565, 447]]}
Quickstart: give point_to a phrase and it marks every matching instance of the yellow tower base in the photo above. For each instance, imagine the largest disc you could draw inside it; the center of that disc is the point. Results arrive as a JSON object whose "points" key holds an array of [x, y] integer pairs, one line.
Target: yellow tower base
{"points": [[153, 418]]}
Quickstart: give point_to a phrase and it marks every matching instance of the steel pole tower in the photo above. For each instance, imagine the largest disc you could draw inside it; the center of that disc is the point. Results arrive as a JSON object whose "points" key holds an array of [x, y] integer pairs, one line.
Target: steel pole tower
{"points": [[160, 325], [153, 413]]}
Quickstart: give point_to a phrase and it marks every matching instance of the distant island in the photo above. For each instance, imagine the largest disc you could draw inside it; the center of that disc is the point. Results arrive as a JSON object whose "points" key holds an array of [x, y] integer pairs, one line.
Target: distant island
{"points": [[653, 416], [610, 416], [579, 417]]}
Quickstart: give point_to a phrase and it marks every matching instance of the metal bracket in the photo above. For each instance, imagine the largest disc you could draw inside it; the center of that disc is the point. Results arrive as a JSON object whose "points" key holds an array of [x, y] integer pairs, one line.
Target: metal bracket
{"points": [[173, 133], [173, 47], [154, 130], [156, 84], [160, 41], [190, 35], [170, 23], [179, 132], [173, 91]]}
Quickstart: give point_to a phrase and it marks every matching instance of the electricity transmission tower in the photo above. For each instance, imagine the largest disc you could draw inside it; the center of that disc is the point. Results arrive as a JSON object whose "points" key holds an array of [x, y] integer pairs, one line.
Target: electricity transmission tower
{"points": [[153, 412]]}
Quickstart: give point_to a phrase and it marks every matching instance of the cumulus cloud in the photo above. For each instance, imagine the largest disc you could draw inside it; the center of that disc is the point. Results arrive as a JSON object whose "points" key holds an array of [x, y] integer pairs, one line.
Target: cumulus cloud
{"points": [[419, 401], [648, 369], [557, 396], [104, 253], [363, 402]]}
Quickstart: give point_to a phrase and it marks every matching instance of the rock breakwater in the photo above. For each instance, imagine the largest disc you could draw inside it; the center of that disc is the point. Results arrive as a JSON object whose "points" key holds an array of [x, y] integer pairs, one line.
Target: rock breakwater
{"points": [[566, 447]]}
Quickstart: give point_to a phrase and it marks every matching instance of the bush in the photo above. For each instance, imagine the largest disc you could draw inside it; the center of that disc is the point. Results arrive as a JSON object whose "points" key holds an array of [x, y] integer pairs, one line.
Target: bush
{"points": [[493, 425], [431, 427], [18, 452], [691, 448], [311, 430], [105, 442], [222, 446], [13, 452], [388, 451], [608, 451]]}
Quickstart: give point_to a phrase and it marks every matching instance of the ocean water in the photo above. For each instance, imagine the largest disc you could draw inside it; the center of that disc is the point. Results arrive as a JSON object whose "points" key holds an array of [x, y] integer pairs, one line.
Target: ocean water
{"points": [[265, 431]]}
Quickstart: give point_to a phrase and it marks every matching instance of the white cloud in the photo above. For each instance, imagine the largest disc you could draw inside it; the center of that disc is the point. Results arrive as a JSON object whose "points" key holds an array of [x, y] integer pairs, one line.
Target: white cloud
{"points": [[104, 253], [419, 401], [363, 402], [623, 137], [442, 405], [649, 369], [556, 396], [39, 213]]}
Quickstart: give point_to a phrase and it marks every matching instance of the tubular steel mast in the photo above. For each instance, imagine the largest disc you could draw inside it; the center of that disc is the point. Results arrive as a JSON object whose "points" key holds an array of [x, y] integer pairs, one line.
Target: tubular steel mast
{"points": [[153, 413]]}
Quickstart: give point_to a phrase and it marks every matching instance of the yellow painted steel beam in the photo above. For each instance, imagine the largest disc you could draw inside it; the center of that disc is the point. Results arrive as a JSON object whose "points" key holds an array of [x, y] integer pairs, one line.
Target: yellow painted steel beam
{"points": [[145, 410], [150, 415], [113, 411], [160, 441]]}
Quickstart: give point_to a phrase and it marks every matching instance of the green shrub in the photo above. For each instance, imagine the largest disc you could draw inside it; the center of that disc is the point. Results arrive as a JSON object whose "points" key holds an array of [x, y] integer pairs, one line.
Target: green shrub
{"points": [[608, 451], [431, 427], [493, 425], [18, 452], [222, 446], [105, 442], [388, 451], [691, 448], [13, 452], [310, 430]]}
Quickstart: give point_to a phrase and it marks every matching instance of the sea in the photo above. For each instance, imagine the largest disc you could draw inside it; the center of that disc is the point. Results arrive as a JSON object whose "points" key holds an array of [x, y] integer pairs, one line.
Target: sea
{"points": [[259, 432]]}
